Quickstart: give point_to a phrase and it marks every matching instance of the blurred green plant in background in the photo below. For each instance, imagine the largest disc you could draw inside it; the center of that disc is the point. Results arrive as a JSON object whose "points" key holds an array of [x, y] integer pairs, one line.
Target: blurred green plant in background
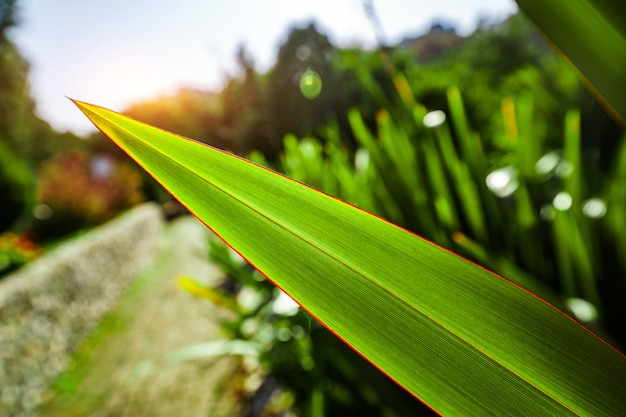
{"points": [[26, 142], [532, 213], [524, 174], [17, 186], [539, 208]]}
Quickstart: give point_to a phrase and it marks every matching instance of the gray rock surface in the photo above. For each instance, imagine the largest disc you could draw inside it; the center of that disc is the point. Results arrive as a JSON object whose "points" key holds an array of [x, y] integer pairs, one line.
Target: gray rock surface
{"points": [[48, 307], [127, 368]]}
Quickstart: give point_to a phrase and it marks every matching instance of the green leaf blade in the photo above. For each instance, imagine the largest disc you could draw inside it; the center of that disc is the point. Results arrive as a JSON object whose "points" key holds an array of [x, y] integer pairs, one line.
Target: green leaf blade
{"points": [[459, 338], [590, 33]]}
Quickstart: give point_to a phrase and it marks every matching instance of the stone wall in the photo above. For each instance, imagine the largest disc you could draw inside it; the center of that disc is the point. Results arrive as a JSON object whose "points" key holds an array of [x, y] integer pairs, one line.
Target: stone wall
{"points": [[48, 307]]}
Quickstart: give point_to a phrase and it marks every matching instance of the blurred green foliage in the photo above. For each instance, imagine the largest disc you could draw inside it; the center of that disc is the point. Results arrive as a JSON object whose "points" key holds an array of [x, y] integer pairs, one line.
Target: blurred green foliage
{"points": [[17, 187], [21, 130], [254, 111], [536, 215], [306, 370], [25, 140], [492, 148], [46, 187]]}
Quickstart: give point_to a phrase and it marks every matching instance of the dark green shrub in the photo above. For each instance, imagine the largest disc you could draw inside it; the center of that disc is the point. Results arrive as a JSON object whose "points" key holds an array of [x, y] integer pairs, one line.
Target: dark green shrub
{"points": [[17, 188]]}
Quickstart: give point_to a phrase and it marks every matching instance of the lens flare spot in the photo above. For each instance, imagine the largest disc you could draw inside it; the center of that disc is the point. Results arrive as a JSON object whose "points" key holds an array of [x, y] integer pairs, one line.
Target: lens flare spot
{"points": [[310, 84], [564, 169], [308, 149], [594, 208], [434, 119], [548, 163], [562, 201], [503, 182], [284, 305], [283, 334], [248, 299], [42, 212], [583, 310], [361, 160]]}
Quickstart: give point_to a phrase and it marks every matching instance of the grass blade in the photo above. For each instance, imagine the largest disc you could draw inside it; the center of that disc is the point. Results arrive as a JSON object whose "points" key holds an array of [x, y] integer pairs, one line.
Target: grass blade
{"points": [[591, 34]]}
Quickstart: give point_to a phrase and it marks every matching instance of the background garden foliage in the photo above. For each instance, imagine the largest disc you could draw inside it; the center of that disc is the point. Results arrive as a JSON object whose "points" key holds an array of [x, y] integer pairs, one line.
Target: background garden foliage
{"points": [[488, 145]]}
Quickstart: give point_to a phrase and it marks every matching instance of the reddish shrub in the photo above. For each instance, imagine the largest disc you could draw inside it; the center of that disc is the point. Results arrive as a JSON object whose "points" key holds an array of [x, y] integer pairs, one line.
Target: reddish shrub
{"points": [[80, 190]]}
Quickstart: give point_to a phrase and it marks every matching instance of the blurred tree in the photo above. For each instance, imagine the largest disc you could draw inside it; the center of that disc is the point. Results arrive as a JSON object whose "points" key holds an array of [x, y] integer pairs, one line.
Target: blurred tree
{"points": [[290, 112], [243, 119], [189, 112], [7, 14], [16, 180], [25, 140], [16, 106], [255, 111], [511, 59], [440, 39], [29, 137], [496, 51]]}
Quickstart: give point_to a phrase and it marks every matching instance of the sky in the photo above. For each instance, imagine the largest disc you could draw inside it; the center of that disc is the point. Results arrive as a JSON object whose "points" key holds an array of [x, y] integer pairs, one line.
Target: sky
{"points": [[118, 52]]}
